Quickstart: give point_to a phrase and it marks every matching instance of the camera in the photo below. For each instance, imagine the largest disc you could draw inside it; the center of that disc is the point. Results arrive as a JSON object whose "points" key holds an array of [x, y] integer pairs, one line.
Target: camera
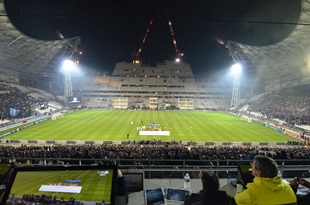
{"points": [[301, 181]]}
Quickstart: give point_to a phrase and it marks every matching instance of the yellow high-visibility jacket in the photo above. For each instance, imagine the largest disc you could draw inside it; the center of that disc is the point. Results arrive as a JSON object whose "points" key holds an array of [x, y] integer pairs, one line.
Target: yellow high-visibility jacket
{"points": [[266, 191]]}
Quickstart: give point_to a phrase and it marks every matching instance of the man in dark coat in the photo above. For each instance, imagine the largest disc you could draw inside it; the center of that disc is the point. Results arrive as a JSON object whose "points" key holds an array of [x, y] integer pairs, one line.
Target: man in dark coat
{"points": [[210, 194]]}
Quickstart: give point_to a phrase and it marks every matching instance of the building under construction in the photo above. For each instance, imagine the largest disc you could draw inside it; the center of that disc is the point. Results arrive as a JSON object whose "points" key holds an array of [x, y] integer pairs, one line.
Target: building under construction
{"points": [[142, 84], [170, 85]]}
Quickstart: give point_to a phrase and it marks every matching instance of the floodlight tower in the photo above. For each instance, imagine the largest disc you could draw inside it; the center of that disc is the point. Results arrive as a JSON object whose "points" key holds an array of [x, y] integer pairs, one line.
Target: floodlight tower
{"points": [[67, 68], [236, 71]]}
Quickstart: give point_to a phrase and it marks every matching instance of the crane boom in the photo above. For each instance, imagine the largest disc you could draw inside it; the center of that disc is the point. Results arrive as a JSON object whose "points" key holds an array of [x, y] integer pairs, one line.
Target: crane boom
{"points": [[136, 54], [174, 41]]}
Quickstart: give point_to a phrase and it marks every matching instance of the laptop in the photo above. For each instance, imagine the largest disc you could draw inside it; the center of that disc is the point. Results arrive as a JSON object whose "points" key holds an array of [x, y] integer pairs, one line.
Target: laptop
{"points": [[134, 181], [155, 196], [90, 185], [177, 195], [244, 174]]}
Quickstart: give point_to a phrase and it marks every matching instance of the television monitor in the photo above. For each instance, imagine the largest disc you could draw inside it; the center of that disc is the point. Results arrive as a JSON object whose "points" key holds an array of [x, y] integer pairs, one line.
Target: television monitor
{"points": [[177, 195], [75, 184], [155, 196], [244, 174], [5, 169], [134, 181], [5, 173], [74, 99]]}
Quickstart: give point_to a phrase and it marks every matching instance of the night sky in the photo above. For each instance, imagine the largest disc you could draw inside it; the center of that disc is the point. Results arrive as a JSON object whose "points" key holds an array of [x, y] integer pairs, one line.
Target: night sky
{"points": [[110, 30]]}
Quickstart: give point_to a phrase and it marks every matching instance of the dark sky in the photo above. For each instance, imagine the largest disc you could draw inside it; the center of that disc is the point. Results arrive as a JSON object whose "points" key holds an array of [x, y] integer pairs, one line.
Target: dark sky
{"points": [[110, 29]]}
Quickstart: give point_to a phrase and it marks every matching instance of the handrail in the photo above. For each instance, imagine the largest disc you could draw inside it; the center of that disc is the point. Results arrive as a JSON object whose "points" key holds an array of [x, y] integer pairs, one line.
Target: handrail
{"points": [[288, 161], [172, 168], [160, 164]]}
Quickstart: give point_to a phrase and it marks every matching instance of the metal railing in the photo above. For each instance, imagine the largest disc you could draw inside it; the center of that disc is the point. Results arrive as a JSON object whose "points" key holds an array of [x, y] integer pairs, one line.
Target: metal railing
{"points": [[174, 168]]}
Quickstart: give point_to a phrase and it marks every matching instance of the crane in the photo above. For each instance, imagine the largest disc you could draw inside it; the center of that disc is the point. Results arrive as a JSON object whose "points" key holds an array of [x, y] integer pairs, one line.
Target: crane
{"points": [[174, 41], [135, 54]]}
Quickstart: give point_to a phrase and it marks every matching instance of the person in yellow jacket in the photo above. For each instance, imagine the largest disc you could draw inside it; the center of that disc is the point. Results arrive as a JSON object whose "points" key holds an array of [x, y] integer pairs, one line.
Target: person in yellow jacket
{"points": [[267, 187]]}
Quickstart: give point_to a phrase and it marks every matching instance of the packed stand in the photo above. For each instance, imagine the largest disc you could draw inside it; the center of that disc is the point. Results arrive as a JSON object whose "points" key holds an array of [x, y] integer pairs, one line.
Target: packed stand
{"points": [[145, 154], [291, 105], [15, 104]]}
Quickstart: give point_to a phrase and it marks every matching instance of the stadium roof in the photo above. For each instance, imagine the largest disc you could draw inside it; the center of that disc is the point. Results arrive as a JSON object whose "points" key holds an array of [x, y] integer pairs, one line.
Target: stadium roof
{"points": [[286, 61], [22, 55]]}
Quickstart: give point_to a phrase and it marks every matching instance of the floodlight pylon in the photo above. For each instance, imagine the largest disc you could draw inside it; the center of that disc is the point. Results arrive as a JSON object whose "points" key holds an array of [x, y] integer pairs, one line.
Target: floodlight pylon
{"points": [[235, 93], [67, 87]]}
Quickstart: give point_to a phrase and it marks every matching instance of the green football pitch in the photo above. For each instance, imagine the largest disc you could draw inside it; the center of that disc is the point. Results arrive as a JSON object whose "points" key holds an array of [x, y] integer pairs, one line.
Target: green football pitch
{"points": [[115, 125]]}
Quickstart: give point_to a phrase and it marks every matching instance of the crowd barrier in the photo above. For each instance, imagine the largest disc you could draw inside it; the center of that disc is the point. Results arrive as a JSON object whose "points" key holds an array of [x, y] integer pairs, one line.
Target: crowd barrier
{"points": [[174, 168], [128, 142]]}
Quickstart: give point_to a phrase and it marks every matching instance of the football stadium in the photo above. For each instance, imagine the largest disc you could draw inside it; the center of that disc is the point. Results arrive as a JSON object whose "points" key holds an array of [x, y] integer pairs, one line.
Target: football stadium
{"points": [[65, 132]]}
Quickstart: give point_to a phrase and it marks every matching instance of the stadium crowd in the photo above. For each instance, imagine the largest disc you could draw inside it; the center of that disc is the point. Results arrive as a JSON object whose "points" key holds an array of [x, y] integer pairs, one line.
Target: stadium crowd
{"points": [[291, 105], [144, 154], [15, 104]]}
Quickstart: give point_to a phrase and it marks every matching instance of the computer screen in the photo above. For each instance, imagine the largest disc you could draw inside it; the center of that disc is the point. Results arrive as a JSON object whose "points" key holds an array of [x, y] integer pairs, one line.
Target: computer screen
{"points": [[5, 173], [177, 195], [5, 169], [244, 174], [134, 181], [62, 184], [155, 196]]}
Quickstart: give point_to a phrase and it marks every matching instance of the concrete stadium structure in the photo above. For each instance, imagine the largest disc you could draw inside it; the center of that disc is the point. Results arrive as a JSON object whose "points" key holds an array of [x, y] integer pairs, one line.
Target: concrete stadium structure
{"points": [[34, 63], [170, 85], [282, 64], [31, 62]]}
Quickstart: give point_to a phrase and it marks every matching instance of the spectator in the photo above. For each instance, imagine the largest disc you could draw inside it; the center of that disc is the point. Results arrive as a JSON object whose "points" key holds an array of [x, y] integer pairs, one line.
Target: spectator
{"points": [[142, 154], [301, 199], [290, 105], [121, 190], [210, 194], [267, 188]]}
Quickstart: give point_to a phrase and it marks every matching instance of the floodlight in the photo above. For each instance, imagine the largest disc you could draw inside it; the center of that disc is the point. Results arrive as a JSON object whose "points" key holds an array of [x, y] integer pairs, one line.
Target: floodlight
{"points": [[236, 69], [68, 66]]}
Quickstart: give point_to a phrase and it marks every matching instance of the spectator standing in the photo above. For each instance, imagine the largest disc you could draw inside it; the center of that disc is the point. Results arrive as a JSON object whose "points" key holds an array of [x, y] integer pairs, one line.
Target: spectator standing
{"points": [[267, 187]]}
